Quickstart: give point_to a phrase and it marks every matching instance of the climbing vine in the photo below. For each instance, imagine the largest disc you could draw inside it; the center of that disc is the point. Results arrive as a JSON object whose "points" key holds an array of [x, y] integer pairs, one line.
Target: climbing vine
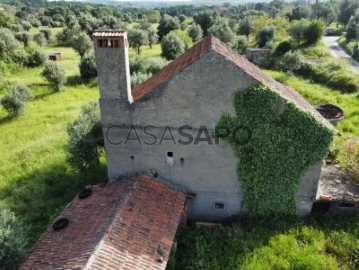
{"points": [[284, 143]]}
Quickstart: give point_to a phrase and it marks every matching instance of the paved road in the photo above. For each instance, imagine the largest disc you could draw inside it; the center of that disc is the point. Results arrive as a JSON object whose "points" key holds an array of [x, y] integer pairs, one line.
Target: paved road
{"points": [[338, 52]]}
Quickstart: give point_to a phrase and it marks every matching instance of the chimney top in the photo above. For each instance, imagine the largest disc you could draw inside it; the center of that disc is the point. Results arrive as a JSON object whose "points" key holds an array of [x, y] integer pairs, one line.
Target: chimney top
{"points": [[108, 33]]}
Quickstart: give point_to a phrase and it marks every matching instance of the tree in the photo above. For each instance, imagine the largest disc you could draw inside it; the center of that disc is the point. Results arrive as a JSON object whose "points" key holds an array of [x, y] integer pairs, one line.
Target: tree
{"points": [[292, 61], [346, 10], [299, 12], [172, 46], [298, 29], [184, 37], [275, 7], [12, 240], [241, 45], [55, 75], [26, 25], [327, 12], [47, 34], [137, 38], [152, 37], [15, 101], [205, 19], [85, 137], [23, 37], [5, 20], [8, 43], [353, 27], [195, 32], [40, 39], [88, 68], [81, 43], [283, 48], [222, 31], [166, 25], [245, 27], [314, 31], [266, 34], [36, 59]]}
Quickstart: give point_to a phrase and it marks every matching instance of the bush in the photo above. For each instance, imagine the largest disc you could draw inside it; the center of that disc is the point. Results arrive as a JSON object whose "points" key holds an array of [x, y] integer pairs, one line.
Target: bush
{"points": [[146, 65], [298, 29], [8, 43], [88, 68], [172, 46], [16, 27], [265, 35], [292, 60], [12, 241], [314, 31], [85, 136], [282, 48], [26, 25], [55, 74], [15, 101], [36, 59], [40, 39], [241, 45], [156, 64], [138, 78]]}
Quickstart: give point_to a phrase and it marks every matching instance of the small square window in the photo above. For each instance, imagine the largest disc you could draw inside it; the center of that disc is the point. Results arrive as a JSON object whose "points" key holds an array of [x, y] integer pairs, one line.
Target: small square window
{"points": [[170, 154]]}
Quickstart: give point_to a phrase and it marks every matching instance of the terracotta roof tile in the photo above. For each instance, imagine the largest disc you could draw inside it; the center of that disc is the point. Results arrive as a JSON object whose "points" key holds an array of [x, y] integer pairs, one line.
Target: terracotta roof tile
{"points": [[211, 43], [120, 226]]}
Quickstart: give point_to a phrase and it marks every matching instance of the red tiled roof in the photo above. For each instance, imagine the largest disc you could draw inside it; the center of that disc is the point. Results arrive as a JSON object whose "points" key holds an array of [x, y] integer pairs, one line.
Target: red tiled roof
{"points": [[211, 43], [108, 33], [125, 225]]}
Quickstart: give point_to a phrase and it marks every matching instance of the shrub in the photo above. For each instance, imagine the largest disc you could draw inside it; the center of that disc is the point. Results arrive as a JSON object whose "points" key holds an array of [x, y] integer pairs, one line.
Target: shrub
{"points": [[55, 75], [146, 65], [16, 27], [85, 137], [36, 59], [241, 45], [292, 60], [40, 39], [12, 240], [172, 46], [282, 48], [8, 43], [195, 32], [298, 29], [314, 31], [88, 68], [138, 78], [23, 37], [15, 101], [265, 35], [156, 64]]}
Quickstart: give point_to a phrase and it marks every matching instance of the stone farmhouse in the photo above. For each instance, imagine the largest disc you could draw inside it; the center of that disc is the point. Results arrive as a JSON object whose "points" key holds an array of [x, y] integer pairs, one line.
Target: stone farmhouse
{"points": [[164, 165]]}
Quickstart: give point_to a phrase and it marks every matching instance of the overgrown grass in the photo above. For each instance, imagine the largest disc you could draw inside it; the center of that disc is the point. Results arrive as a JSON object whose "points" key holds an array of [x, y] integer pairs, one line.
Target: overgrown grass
{"points": [[348, 46], [263, 244], [35, 180]]}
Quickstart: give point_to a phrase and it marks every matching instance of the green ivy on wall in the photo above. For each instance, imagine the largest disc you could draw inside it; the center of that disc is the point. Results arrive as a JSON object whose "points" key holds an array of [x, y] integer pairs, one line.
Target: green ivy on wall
{"points": [[285, 141]]}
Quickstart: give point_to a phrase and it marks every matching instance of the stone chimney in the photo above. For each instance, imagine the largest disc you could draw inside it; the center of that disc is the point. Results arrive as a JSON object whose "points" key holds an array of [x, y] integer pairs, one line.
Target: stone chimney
{"points": [[111, 51]]}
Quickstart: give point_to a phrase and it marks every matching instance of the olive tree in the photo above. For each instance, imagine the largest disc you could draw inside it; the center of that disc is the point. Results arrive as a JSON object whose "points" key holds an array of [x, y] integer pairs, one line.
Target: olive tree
{"points": [[195, 32], [88, 68], [166, 25], [292, 61], [137, 38], [265, 35], [353, 27], [14, 102], [24, 37], [314, 31], [241, 45], [222, 31], [85, 138], [8, 43], [172, 46], [40, 39], [12, 240], [81, 43], [55, 75], [298, 29]]}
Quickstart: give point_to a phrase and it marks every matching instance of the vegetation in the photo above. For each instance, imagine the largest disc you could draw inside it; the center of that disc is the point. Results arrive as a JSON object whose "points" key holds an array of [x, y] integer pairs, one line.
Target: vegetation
{"points": [[263, 141], [265, 35], [81, 43], [195, 32], [55, 74], [172, 46], [88, 68], [292, 60], [12, 241], [15, 101]]}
